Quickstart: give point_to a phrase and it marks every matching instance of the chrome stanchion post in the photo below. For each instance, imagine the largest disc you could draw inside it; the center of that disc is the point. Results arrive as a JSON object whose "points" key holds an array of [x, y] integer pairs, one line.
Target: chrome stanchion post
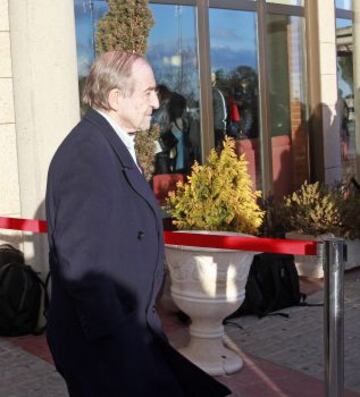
{"points": [[332, 251]]}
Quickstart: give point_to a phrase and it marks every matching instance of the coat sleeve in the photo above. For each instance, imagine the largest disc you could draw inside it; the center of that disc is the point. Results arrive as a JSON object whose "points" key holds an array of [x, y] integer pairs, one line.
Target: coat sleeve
{"points": [[82, 183]]}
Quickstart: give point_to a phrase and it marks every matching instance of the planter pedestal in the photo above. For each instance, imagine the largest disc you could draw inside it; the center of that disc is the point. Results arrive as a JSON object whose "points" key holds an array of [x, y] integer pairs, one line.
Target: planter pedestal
{"points": [[208, 285], [207, 350]]}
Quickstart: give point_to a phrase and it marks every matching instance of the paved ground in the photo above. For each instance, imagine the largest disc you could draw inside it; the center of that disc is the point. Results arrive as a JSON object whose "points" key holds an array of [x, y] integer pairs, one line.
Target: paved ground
{"points": [[297, 342], [283, 357], [23, 374]]}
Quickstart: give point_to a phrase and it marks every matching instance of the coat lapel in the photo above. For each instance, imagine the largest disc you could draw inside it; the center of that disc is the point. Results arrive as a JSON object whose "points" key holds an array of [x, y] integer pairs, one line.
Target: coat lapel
{"points": [[132, 173]]}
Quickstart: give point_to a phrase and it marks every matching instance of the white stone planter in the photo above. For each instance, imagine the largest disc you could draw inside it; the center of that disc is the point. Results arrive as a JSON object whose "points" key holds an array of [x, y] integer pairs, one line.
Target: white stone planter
{"points": [[208, 284], [353, 254], [166, 302], [311, 266]]}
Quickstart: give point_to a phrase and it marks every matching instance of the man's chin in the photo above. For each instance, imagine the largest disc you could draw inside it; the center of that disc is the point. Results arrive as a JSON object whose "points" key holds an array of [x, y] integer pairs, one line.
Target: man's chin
{"points": [[144, 127]]}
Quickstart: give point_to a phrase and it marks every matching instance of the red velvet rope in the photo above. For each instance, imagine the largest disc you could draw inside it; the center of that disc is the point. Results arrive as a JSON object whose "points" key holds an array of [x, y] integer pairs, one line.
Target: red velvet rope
{"points": [[26, 225], [257, 244]]}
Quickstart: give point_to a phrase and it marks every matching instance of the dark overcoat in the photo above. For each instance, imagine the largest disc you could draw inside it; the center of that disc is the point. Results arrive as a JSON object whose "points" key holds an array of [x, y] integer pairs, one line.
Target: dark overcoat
{"points": [[106, 261]]}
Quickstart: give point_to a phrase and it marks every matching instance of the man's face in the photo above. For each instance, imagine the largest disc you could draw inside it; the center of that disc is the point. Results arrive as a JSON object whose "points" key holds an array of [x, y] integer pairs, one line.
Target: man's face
{"points": [[135, 110]]}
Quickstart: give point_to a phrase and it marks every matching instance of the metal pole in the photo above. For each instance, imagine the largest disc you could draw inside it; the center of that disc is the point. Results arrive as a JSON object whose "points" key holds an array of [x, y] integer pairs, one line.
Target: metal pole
{"points": [[333, 249]]}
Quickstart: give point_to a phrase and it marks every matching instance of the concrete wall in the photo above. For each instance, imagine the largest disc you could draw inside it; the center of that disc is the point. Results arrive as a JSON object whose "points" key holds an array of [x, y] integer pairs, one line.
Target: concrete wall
{"points": [[9, 172], [39, 104], [329, 90]]}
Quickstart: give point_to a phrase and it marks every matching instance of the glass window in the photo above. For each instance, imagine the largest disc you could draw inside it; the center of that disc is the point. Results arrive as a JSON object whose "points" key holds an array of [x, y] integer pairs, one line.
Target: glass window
{"points": [[343, 4], [287, 2], [287, 101], [87, 15], [172, 51], [345, 104], [233, 49]]}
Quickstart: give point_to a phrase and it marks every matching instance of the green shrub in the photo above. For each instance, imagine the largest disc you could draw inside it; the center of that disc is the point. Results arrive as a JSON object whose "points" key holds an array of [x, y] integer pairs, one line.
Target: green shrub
{"points": [[312, 209], [217, 196]]}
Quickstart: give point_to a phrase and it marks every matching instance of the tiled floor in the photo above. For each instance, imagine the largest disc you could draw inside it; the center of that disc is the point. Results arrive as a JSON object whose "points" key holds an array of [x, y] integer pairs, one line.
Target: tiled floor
{"points": [[260, 376], [35, 345]]}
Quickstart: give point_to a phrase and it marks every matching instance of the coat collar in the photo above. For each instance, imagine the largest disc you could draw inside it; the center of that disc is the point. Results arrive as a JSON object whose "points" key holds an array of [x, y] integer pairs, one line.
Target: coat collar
{"points": [[105, 128], [133, 175]]}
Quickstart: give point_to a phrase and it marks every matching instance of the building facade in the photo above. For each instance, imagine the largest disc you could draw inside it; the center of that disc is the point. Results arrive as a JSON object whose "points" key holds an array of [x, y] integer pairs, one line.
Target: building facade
{"points": [[281, 76]]}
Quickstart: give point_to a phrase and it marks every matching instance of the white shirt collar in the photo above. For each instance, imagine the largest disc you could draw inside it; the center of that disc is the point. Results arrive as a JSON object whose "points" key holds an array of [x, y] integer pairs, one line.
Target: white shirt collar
{"points": [[128, 140]]}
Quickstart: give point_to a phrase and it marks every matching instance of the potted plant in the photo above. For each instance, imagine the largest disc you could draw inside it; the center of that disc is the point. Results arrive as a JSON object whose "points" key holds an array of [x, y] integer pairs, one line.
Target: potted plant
{"points": [[314, 212], [209, 284]]}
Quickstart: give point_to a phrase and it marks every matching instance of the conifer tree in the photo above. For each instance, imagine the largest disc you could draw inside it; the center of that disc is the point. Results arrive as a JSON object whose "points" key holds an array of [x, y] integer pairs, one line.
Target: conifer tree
{"points": [[126, 26]]}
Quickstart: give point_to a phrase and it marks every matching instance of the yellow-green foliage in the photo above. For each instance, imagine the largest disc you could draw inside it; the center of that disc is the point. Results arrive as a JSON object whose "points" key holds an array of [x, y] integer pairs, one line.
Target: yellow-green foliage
{"points": [[217, 196], [312, 209]]}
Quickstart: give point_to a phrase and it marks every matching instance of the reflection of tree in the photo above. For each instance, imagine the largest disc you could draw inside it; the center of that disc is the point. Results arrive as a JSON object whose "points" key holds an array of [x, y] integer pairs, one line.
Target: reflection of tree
{"points": [[180, 76], [346, 67], [230, 82]]}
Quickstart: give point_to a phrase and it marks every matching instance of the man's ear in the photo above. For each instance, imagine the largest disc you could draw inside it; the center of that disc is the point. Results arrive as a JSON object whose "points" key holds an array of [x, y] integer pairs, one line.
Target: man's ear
{"points": [[114, 98]]}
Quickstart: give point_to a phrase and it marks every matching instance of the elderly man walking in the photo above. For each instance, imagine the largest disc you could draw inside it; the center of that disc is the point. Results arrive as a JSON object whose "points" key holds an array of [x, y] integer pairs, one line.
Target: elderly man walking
{"points": [[106, 249]]}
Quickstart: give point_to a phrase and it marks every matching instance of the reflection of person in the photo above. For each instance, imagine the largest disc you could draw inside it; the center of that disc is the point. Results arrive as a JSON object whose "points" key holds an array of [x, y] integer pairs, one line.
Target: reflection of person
{"points": [[178, 128], [342, 110], [245, 97], [161, 118], [220, 114], [161, 115], [233, 127], [106, 249], [242, 102]]}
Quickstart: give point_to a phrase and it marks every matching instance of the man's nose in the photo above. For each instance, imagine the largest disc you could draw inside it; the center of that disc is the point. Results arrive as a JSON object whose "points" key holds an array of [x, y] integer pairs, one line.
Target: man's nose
{"points": [[155, 100]]}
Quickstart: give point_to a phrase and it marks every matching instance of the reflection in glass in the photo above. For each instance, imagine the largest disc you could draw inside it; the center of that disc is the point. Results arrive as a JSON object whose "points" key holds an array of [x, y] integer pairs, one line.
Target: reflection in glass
{"points": [[233, 50], [345, 105], [172, 51], [344, 4], [287, 2], [87, 15], [287, 101]]}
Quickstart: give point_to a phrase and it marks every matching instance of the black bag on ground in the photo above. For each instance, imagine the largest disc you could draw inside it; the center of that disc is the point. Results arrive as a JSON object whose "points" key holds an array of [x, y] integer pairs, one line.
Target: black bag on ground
{"points": [[10, 254], [273, 284], [21, 291]]}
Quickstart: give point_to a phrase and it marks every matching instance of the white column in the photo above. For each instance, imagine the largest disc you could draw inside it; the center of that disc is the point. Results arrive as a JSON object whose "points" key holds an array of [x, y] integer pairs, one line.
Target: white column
{"points": [[46, 100], [356, 64], [9, 183], [329, 90]]}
